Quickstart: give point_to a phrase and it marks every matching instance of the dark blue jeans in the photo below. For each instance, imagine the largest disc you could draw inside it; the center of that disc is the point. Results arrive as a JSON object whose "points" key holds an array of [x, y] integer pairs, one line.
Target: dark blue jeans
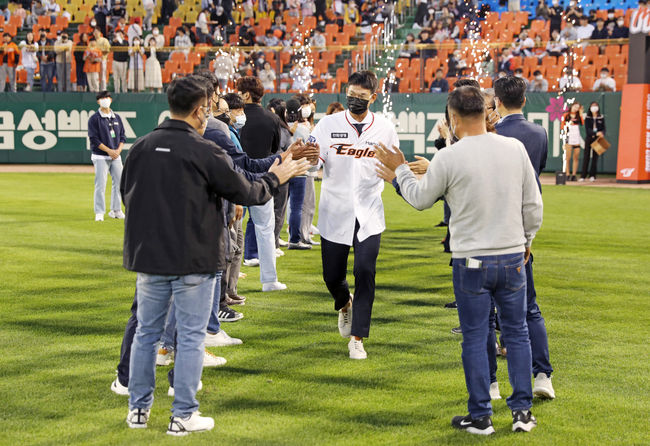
{"points": [[296, 197], [47, 76], [502, 278], [250, 241]]}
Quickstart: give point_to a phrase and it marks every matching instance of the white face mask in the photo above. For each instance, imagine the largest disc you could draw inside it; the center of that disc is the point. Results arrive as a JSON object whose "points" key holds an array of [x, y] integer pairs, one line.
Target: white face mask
{"points": [[105, 102], [240, 121], [539, 77], [594, 110], [518, 75], [306, 112], [603, 75], [156, 31], [620, 23]]}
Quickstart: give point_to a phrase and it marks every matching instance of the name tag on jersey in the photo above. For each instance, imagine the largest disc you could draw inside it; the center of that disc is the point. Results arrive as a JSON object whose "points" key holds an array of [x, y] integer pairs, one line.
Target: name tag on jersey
{"points": [[339, 135]]}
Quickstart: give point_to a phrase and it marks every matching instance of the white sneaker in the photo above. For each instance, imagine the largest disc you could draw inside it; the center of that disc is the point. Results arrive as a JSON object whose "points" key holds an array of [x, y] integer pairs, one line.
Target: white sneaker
{"points": [[345, 321], [314, 230], [170, 391], [279, 252], [164, 356], [116, 214], [592, 179], [356, 349], [210, 360], [118, 388], [581, 180], [99, 217], [194, 423], [221, 339], [313, 242], [494, 391], [252, 262], [273, 286], [283, 243], [543, 388], [137, 418]]}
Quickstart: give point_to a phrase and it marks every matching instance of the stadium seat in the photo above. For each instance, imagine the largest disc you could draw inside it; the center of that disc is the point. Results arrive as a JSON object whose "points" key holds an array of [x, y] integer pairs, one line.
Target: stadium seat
{"points": [[309, 22]]}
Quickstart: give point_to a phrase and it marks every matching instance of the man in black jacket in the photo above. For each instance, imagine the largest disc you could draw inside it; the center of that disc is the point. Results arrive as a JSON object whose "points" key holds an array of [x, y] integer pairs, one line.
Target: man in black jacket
{"points": [[173, 184]]}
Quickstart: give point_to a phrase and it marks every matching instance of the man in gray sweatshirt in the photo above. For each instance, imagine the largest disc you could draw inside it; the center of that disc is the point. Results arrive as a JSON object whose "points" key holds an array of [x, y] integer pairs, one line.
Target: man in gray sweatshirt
{"points": [[496, 210]]}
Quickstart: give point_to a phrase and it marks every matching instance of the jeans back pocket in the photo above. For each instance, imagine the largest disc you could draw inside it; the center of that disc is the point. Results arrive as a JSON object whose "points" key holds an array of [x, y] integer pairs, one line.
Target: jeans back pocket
{"points": [[471, 280], [515, 277]]}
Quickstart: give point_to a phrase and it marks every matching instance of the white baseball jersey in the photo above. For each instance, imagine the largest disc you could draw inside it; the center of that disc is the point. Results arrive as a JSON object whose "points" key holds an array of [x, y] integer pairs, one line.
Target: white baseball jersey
{"points": [[351, 189]]}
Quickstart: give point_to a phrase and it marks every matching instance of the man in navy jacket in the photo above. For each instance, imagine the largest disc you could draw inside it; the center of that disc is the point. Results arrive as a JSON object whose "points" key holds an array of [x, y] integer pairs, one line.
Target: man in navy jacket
{"points": [[510, 98]]}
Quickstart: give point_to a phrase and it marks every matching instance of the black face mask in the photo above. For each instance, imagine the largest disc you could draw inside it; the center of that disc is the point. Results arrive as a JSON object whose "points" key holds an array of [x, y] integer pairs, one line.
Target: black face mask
{"points": [[223, 117], [357, 106]]}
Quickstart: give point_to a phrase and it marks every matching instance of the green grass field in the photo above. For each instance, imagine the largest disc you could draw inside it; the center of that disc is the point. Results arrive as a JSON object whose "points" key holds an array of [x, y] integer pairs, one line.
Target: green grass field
{"points": [[65, 299]]}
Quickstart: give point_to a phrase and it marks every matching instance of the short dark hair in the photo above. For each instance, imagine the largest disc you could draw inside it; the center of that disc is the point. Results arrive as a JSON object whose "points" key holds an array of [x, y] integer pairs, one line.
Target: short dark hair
{"points": [[604, 69], [210, 78], [511, 91], [6, 34], [252, 85], [207, 81], [439, 70], [185, 93], [536, 73], [279, 108], [234, 101], [467, 82], [103, 94], [467, 101], [364, 79], [519, 70]]}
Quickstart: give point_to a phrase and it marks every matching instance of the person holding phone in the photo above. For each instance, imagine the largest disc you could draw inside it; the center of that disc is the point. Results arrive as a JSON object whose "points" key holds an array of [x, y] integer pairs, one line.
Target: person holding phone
{"points": [[571, 123]]}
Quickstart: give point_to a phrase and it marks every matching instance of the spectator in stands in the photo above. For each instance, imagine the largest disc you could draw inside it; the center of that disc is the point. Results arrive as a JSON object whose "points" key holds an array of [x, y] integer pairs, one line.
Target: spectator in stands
{"points": [[134, 31], [136, 66], [420, 13], [524, 45], [440, 32], [167, 9], [29, 59], [318, 40], [46, 62], [569, 32], [538, 84], [505, 61], [352, 14], [408, 49], [117, 12], [429, 18], [571, 123], [573, 12], [5, 12], [100, 12], [606, 82], [585, 29], [63, 50], [391, 84], [425, 39], [224, 68], [439, 84], [334, 107], [453, 30], [152, 71], [555, 46], [600, 32], [155, 38], [620, 30], [246, 33], [570, 80], [182, 42], [555, 14], [92, 65], [203, 27], [278, 25], [78, 54], [514, 5], [542, 12], [9, 57], [120, 62], [594, 128], [38, 10], [52, 9], [519, 72], [105, 47], [611, 17], [465, 7], [268, 77], [149, 9]]}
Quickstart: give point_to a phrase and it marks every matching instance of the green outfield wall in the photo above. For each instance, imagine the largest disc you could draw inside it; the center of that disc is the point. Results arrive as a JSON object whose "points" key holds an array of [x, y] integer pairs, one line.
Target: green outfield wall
{"points": [[52, 127]]}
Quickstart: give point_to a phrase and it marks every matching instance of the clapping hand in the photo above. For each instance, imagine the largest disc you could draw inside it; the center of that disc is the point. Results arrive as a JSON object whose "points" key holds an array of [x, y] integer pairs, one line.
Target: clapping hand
{"points": [[420, 166], [289, 168], [389, 161], [300, 150]]}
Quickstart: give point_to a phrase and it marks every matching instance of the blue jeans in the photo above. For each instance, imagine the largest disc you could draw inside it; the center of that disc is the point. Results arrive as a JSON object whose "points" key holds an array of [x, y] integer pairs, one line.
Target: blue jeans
{"points": [[263, 218], [214, 326], [102, 168], [502, 278], [168, 339], [47, 76], [193, 296], [296, 197]]}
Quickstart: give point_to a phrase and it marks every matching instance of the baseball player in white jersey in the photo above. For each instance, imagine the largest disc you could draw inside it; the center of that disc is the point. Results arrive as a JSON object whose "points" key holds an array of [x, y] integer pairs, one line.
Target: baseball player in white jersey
{"points": [[351, 212]]}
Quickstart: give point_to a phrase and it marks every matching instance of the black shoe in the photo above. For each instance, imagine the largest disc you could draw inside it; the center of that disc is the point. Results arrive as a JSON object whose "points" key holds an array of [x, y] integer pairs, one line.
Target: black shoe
{"points": [[456, 330], [228, 315], [480, 426], [442, 224], [451, 305], [573, 178], [523, 421]]}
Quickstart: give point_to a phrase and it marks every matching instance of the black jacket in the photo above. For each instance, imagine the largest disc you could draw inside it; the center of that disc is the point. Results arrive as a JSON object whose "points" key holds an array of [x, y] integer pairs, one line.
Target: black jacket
{"points": [[172, 186], [260, 137], [589, 126]]}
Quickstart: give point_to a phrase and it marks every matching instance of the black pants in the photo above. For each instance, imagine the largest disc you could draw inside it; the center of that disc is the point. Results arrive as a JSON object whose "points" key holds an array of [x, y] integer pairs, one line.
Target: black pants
{"points": [[589, 155], [280, 209], [335, 266]]}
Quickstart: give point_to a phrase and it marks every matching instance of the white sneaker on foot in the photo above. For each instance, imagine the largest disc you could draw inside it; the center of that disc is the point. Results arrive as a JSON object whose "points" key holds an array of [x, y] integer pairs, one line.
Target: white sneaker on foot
{"points": [[356, 349], [252, 262], [273, 286], [164, 356], [194, 423], [170, 391], [210, 360], [494, 391], [118, 388], [543, 388], [345, 321], [137, 418], [592, 179], [581, 180], [314, 230], [116, 214], [279, 252], [221, 339], [283, 243], [99, 217]]}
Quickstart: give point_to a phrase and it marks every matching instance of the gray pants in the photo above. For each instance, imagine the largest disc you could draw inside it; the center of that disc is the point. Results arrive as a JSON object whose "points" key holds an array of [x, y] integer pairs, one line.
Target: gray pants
{"points": [[102, 168], [63, 77], [119, 76], [308, 209], [232, 271], [5, 71]]}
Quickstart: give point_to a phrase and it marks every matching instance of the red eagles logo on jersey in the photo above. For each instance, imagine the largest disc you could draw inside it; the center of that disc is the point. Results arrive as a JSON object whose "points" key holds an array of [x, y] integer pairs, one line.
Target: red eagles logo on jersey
{"points": [[345, 149]]}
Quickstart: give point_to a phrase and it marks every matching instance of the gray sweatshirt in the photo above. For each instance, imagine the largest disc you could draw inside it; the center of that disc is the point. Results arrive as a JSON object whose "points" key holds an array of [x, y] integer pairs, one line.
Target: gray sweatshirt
{"points": [[490, 186]]}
